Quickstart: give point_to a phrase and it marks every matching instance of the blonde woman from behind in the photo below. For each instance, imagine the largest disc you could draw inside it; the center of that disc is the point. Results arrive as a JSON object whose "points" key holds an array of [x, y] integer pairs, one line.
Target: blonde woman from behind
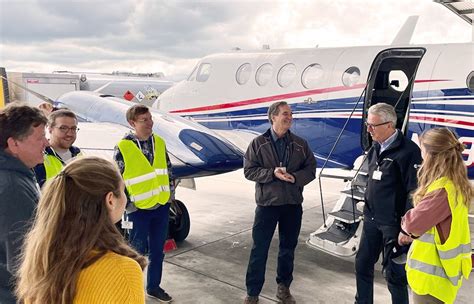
{"points": [[440, 256], [73, 252]]}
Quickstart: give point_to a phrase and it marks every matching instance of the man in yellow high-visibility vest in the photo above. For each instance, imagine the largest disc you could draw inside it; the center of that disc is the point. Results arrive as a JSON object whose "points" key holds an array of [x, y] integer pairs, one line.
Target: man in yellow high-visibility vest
{"points": [[146, 170], [62, 128]]}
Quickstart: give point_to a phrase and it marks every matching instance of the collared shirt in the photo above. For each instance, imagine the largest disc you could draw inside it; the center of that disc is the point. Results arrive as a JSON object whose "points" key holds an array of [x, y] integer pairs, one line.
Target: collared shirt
{"points": [[280, 144], [388, 141]]}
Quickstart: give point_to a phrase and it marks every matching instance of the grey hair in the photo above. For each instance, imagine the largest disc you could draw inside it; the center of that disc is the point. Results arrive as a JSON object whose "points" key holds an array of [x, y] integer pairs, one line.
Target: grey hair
{"points": [[274, 109], [385, 111]]}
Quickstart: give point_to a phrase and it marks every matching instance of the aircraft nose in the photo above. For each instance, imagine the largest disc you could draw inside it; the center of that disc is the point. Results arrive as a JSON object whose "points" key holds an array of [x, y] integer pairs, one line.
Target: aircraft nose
{"points": [[218, 156]]}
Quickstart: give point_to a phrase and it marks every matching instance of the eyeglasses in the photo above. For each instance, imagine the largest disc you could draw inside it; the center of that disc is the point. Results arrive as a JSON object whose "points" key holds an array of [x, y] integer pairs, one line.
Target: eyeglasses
{"points": [[144, 120], [372, 126], [65, 129]]}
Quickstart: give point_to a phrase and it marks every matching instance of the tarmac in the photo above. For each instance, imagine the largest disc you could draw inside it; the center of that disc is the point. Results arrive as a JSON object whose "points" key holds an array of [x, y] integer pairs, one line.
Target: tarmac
{"points": [[210, 265]]}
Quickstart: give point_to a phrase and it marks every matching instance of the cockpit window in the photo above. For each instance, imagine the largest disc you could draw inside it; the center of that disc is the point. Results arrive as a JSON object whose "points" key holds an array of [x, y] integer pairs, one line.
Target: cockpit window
{"points": [[470, 82], [351, 76], [243, 73], [264, 74], [286, 75], [203, 72], [192, 76]]}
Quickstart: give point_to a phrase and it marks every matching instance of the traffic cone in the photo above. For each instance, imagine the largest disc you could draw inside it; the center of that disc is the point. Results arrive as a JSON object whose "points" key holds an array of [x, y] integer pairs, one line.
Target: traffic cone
{"points": [[170, 245]]}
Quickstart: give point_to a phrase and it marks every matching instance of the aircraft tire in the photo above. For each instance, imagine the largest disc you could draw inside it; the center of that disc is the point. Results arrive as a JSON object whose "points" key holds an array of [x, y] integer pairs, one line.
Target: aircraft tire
{"points": [[179, 223]]}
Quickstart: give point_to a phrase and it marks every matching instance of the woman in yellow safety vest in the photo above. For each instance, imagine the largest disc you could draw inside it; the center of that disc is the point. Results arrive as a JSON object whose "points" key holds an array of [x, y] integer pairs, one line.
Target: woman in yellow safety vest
{"points": [[440, 255]]}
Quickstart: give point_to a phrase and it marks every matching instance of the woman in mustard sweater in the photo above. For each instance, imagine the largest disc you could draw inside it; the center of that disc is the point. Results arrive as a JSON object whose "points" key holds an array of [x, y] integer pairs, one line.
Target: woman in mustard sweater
{"points": [[73, 252]]}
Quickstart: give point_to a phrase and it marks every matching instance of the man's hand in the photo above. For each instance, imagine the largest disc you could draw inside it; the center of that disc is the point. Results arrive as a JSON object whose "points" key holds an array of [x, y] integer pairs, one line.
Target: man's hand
{"points": [[281, 174], [404, 239]]}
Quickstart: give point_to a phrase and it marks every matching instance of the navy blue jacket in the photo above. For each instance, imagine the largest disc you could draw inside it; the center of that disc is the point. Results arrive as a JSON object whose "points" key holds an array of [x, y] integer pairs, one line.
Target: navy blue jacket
{"points": [[387, 199]]}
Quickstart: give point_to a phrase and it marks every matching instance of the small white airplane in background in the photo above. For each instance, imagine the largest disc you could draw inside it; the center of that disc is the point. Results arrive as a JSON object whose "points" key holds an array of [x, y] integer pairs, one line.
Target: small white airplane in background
{"points": [[329, 91]]}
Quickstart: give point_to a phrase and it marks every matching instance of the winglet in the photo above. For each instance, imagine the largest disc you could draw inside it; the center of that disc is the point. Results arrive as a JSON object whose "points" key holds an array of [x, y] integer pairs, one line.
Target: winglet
{"points": [[406, 31], [4, 95]]}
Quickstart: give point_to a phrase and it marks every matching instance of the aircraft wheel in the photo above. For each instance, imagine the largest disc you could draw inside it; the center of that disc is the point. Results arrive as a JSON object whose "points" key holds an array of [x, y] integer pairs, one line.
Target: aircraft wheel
{"points": [[180, 223]]}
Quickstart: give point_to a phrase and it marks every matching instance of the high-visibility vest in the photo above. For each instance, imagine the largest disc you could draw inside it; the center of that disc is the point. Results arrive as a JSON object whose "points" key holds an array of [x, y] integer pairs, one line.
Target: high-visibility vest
{"points": [[53, 165], [437, 269], [147, 185]]}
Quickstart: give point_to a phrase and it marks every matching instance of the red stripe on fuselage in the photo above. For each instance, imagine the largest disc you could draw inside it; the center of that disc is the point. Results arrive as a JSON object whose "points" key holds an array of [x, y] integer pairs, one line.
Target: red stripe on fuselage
{"points": [[280, 97], [439, 119]]}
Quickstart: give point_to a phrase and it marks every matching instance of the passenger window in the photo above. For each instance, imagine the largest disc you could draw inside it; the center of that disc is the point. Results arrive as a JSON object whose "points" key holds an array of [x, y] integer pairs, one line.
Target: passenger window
{"points": [[264, 74], [398, 80], [312, 76], [351, 76], [286, 75], [203, 72], [470, 82], [243, 73]]}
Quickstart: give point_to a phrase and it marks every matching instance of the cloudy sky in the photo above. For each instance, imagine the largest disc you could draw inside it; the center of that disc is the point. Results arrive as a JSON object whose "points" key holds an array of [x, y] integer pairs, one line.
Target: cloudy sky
{"points": [[170, 36]]}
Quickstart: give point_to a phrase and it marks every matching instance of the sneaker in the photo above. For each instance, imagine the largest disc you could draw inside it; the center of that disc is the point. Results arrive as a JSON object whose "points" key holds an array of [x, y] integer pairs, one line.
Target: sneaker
{"points": [[251, 300], [284, 295], [160, 295]]}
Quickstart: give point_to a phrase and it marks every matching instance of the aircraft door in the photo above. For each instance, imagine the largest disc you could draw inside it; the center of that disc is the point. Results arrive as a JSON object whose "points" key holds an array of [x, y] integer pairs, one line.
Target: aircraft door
{"points": [[391, 80]]}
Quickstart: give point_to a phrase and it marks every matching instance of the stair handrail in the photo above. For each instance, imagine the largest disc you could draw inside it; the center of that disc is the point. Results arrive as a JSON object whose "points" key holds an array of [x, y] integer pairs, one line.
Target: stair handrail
{"points": [[332, 150]]}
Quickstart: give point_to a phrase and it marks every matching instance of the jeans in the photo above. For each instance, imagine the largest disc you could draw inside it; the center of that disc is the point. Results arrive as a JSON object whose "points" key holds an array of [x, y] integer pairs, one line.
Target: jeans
{"points": [[288, 218], [373, 239], [149, 233]]}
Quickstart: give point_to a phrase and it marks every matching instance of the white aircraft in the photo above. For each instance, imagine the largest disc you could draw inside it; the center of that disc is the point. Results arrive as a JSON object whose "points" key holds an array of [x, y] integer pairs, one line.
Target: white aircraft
{"points": [[329, 91]]}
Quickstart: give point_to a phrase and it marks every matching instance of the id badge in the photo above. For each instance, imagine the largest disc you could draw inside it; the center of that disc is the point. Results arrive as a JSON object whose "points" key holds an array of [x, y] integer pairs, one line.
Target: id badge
{"points": [[127, 225], [377, 175]]}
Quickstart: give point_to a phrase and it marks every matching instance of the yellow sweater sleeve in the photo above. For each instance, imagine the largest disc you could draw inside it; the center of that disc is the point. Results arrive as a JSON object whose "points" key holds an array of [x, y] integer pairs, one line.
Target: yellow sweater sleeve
{"points": [[111, 279]]}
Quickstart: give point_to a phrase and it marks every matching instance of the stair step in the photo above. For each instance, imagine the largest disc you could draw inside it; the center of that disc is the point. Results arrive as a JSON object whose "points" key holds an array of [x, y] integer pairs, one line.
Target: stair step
{"points": [[336, 235], [347, 216], [339, 174], [356, 193]]}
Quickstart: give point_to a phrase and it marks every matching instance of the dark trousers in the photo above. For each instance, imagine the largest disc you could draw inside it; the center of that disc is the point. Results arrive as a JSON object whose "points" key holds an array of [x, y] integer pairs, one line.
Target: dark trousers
{"points": [[373, 239], [288, 218], [149, 233]]}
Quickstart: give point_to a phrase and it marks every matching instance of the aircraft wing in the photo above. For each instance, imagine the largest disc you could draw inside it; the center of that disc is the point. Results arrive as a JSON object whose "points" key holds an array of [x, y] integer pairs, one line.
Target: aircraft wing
{"points": [[194, 150]]}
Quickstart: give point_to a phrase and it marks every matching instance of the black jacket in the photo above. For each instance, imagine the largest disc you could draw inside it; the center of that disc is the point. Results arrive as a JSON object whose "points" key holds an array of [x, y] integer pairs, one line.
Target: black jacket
{"points": [[19, 195], [260, 161], [387, 199], [40, 170]]}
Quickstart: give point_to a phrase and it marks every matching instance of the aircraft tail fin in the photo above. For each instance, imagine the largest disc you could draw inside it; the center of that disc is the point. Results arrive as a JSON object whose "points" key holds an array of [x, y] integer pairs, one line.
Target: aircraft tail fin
{"points": [[406, 31], [4, 94]]}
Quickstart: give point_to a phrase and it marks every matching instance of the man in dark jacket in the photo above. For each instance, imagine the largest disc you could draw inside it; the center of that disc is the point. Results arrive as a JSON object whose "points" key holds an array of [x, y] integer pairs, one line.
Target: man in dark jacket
{"points": [[281, 164], [62, 128], [22, 142], [393, 160]]}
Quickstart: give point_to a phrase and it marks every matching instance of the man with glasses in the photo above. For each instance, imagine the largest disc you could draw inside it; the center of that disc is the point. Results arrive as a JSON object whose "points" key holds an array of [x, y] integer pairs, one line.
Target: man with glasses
{"points": [[146, 169], [393, 160], [62, 128]]}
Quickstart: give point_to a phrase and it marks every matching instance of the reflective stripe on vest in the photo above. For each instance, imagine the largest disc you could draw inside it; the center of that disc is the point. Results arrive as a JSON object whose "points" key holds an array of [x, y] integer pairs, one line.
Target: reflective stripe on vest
{"points": [[437, 269], [147, 185], [139, 179]]}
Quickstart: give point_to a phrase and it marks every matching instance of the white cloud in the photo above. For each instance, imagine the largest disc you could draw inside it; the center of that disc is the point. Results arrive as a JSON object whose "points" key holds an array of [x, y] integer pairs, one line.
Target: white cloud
{"points": [[170, 36]]}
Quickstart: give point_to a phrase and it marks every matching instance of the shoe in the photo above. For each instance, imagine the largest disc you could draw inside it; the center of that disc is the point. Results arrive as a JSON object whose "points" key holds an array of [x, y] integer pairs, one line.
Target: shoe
{"points": [[160, 295], [284, 295], [251, 300]]}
